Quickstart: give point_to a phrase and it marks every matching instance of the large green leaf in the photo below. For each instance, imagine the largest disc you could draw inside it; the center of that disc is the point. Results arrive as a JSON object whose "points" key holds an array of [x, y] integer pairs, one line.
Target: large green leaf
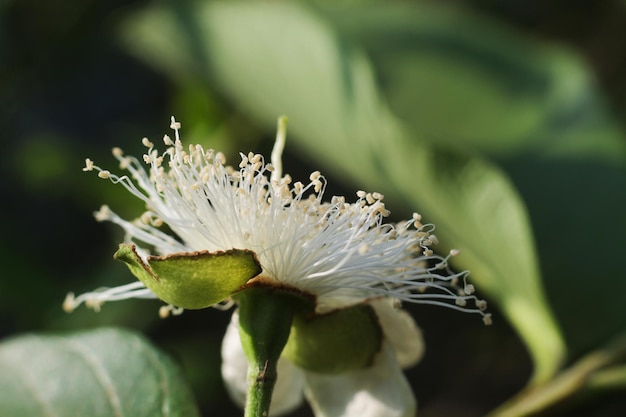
{"points": [[277, 58], [98, 373], [481, 85]]}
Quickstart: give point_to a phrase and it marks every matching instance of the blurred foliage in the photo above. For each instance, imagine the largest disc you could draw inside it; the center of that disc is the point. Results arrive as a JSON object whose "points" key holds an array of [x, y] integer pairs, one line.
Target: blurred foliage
{"points": [[87, 365], [501, 122]]}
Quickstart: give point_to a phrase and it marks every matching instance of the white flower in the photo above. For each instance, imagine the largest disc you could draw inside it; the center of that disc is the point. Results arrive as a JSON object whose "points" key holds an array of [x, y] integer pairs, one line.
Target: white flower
{"points": [[341, 253], [380, 390]]}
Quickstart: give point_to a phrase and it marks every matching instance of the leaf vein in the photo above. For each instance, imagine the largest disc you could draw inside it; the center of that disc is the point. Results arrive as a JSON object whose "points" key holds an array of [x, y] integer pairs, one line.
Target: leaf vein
{"points": [[102, 375]]}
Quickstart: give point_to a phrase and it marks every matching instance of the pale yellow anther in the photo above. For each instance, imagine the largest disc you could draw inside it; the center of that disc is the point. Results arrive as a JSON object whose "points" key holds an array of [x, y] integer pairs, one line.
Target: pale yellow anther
{"points": [[146, 142], [481, 304], [104, 174], [454, 252], [167, 140], [175, 125], [361, 193], [461, 302], [89, 166], [487, 320], [95, 305], [429, 252], [69, 304], [164, 312], [146, 217], [103, 214], [469, 289], [379, 208], [315, 176], [124, 163], [117, 152]]}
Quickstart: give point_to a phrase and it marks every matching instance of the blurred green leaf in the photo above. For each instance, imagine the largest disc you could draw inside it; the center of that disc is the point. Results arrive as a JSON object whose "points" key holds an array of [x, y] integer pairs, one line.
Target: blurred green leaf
{"points": [[482, 85], [600, 370], [611, 378], [277, 58], [98, 373], [485, 87]]}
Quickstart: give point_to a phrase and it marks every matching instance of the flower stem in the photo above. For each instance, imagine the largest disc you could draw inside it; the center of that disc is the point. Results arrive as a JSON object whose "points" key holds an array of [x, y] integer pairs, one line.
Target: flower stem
{"points": [[265, 316], [262, 380]]}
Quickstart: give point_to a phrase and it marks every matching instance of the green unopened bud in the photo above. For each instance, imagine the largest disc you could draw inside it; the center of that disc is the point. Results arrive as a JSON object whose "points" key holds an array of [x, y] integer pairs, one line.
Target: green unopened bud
{"points": [[340, 341], [192, 280]]}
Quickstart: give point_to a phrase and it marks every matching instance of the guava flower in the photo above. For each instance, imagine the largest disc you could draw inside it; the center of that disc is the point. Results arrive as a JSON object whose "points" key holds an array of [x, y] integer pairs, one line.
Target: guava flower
{"points": [[341, 258]]}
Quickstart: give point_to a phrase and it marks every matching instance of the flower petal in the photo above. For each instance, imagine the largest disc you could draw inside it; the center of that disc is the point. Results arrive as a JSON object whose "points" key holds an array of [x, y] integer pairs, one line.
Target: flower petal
{"points": [[400, 331], [289, 386], [378, 391]]}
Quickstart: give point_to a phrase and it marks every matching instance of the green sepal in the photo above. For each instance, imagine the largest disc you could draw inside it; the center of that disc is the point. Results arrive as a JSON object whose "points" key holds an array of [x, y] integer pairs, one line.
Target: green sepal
{"points": [[265, 315], [192, 280], [340, 341]]}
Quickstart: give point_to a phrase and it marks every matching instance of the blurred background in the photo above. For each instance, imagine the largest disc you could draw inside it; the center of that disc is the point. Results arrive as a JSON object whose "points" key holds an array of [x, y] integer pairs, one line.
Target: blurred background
{"points": [[502, 122]]}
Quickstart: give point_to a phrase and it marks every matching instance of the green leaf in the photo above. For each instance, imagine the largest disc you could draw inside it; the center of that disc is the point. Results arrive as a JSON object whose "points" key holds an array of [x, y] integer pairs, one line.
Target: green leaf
{"points": [[192, 280], [482, 85], [277, 58], [97, 373], [485, 87], [601, 370]]}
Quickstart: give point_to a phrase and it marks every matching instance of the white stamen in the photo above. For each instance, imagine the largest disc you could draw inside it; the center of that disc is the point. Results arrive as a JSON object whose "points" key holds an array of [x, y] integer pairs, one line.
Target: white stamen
{"points": [[342, 253]]}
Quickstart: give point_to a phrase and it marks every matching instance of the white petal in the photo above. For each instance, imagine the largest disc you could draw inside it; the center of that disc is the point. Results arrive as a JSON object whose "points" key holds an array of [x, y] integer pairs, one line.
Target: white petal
{"points": [[378, 391], [400, 331], [289, 387]]}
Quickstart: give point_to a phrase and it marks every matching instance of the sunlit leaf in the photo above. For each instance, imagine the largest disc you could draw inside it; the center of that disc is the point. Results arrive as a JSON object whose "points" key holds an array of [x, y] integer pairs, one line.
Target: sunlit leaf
{"points": [[98, 373]]}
